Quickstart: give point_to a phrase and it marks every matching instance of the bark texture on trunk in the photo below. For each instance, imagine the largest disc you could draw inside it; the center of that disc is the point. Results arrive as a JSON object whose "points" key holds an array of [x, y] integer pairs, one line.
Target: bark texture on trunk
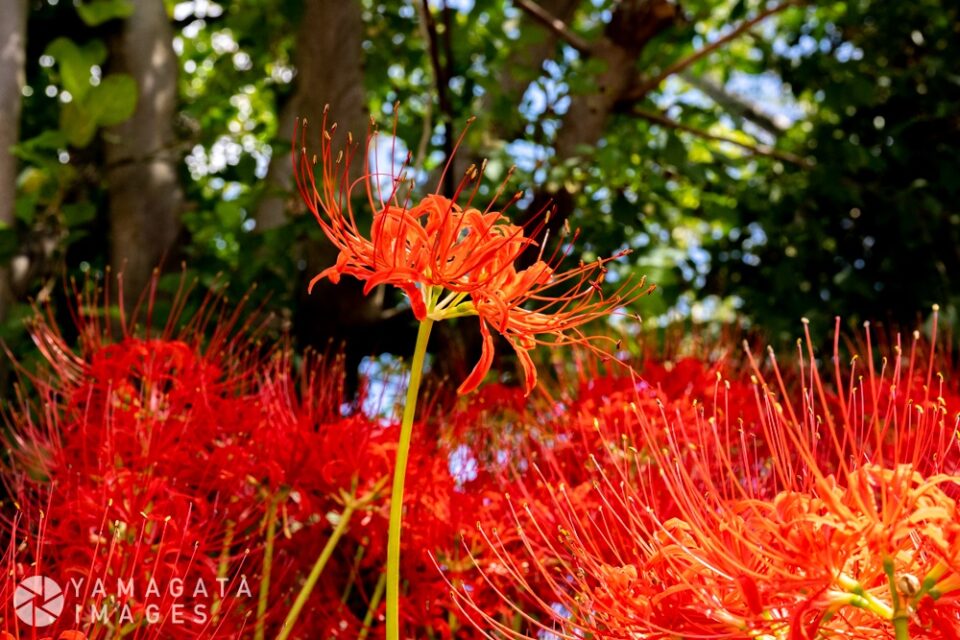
{"points": [[142, 164], [633, 25], [329, 66], [13, 38], [328, 59]]}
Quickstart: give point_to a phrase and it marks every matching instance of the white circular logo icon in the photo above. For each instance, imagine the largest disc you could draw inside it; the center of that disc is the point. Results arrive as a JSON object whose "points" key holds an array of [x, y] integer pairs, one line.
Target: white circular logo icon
{"points": [[38, 601]]}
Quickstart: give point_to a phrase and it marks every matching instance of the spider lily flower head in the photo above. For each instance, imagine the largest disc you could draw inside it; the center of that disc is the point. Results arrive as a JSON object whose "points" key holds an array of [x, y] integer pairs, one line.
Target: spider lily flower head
{"points": [[159, 449], [829, 510], [454, 260], [832, 514]]}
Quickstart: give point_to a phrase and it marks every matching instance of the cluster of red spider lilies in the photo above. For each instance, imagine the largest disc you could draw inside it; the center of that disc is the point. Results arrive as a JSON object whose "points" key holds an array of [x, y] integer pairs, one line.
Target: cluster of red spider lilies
{"points": [[702, 496], [196, 480]]}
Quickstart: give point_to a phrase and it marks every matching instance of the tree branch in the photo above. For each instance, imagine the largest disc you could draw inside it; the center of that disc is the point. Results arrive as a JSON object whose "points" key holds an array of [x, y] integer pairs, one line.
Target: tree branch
{"points": [[557, 26], [646, 86], [757, 149], [736, 105]]}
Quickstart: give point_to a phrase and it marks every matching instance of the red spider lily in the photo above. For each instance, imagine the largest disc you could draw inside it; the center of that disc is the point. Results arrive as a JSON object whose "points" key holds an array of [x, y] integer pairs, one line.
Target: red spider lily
{"points": [[165, 453], [158, 456], [454, 260], [818, 514], [576, 522], [118, 459]]}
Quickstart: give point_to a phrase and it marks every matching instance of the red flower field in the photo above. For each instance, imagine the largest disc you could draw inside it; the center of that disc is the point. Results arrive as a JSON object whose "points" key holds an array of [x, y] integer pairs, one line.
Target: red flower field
{"points": [[702, 495]]}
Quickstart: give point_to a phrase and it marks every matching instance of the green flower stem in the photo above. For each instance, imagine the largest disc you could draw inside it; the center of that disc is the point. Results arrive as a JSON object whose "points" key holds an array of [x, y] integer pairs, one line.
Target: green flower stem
{"points": [[357, 557], [901, 627], [860, 600], [399, 475], [864, 599], [259, 632], [223, 565], [901, 617], [948, 584], [929, 582], [321, 562], [374, 605]]}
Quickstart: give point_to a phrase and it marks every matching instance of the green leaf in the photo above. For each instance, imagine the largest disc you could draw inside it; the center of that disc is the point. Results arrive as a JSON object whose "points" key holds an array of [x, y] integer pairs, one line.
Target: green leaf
{"points": [[31, 181], [25, 208], [74, 71], [40, 150], [74, 63], [50, 139], [229, 215], [78, 124], [114, 100], [100, 11]]}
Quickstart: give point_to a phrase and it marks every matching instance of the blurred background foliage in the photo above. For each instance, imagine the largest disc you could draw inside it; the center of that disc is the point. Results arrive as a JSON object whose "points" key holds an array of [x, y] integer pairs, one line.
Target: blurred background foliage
{"points": [[765, 161]]}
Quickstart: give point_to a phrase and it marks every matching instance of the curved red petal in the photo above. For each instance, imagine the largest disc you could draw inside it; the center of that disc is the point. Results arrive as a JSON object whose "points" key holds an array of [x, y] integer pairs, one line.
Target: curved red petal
{"points": [[329, 273], [417, 304], [529, 369], [396, 277], [476, 376]]}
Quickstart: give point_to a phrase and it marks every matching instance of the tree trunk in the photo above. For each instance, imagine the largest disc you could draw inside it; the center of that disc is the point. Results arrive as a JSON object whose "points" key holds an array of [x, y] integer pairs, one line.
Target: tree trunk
{"points": [[142, 181], [13, 37], [633, 25], [328, 59]]}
